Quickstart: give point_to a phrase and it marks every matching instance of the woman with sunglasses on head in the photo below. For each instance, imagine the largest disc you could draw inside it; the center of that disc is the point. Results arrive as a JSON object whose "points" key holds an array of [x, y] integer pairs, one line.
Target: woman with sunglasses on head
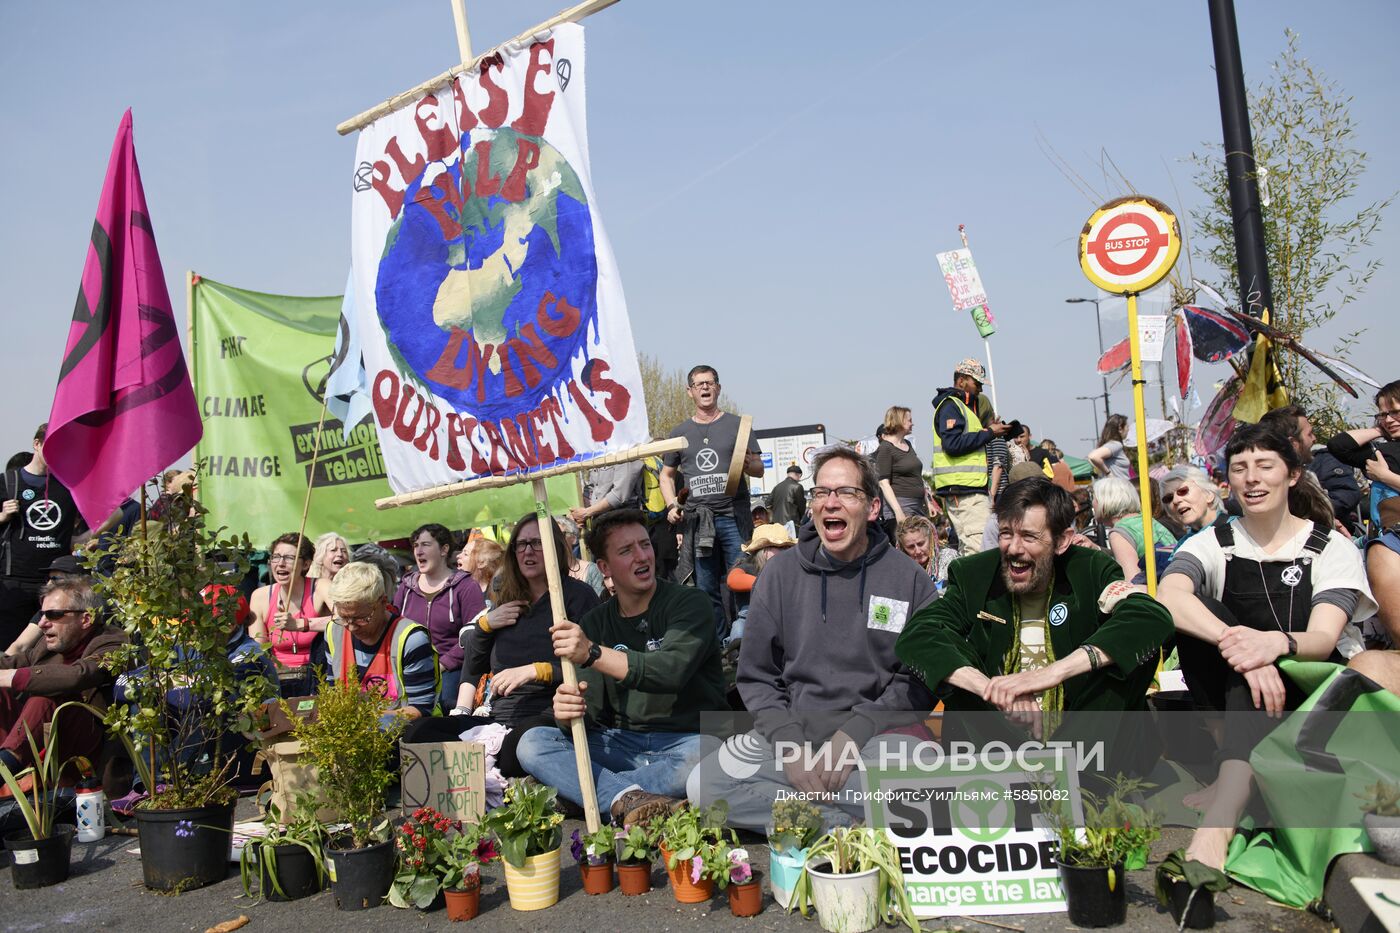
{"points": [[1247, 593], [290, 615], [513, 646], [442, 599]]}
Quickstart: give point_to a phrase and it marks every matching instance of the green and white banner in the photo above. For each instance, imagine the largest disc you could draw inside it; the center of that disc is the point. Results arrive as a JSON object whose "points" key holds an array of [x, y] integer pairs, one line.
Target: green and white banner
{"points": [[260, 366]]}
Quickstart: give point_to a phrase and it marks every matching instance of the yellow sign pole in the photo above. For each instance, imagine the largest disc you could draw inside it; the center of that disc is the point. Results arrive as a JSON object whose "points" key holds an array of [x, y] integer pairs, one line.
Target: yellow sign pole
{"points": [[1140, 421]]}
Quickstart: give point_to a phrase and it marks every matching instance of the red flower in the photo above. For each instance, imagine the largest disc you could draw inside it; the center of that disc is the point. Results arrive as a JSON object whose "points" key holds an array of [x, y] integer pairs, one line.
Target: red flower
{"points": [[421, 843], [442, 825], [407, 829]]}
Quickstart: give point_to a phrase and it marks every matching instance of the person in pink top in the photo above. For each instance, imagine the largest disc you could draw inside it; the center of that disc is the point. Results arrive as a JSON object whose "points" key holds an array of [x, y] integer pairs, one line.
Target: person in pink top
{"points": [[288, 615]]}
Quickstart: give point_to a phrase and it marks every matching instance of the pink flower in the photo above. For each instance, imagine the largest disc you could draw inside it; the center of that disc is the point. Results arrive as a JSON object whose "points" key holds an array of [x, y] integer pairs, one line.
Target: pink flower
{"points": [[697, 868]]}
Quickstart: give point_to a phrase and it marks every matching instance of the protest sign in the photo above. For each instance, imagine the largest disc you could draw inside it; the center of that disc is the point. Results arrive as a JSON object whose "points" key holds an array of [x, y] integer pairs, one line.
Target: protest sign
{"points": [[1152, 333], [971, 836], [492, 320], [260, 363], [965, 288], [450, 777]]}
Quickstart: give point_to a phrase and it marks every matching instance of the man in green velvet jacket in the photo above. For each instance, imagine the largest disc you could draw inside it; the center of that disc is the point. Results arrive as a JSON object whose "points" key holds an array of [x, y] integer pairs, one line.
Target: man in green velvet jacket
{"points": [[1038, 625]]}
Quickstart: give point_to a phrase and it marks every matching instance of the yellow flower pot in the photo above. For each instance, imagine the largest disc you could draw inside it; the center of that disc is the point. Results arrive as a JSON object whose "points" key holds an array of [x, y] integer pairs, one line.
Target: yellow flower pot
{"points": [[535, 885]]}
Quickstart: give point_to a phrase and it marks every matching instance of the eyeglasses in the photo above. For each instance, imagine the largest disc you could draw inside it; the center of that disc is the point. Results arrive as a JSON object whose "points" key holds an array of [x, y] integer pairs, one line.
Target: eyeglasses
{"points": [[1384, 415], [528, 544], [1181, 490], [847, 494], [281, 558], [348, 621], [704, 385], [53, 615]]}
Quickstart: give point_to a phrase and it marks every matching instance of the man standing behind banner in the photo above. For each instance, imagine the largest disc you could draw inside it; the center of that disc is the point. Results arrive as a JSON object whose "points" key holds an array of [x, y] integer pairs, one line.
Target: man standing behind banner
{"points": [[716, 523], [960, 454]]}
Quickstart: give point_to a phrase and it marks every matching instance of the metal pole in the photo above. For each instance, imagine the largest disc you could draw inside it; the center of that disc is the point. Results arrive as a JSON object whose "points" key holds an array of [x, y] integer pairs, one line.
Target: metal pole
{"points": [[1094, 410], [1256, 292], [1098, 323]]}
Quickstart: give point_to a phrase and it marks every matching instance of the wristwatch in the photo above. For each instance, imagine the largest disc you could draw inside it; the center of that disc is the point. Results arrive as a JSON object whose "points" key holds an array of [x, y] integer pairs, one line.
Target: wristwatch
{"points": [[595, 651], [1292, 645]]}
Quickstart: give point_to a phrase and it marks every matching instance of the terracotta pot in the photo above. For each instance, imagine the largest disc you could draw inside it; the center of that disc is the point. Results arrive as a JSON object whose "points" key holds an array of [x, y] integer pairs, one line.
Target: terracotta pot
{"points": [[746, 900], [597, 879], [634, 879], [463, 904], [683, 889]]}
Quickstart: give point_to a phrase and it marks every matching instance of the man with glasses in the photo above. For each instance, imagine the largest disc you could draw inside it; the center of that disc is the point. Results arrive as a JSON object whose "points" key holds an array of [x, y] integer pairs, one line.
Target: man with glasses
{"points": [[817, 668], [1336, 478], [65, 665], [716, 523]]}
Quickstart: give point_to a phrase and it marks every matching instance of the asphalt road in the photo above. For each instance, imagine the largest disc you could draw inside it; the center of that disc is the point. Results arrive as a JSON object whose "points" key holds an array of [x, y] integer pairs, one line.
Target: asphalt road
{"points": [[105, 893]]}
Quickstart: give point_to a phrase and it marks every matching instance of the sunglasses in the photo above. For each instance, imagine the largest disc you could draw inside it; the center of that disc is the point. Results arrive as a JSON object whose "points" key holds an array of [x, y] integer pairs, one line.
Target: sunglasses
{"points": [[53, 615]]}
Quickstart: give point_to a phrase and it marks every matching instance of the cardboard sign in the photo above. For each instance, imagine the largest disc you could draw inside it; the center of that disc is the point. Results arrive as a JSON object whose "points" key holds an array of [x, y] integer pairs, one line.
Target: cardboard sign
{"points": [[450, 777], [291, 778]]}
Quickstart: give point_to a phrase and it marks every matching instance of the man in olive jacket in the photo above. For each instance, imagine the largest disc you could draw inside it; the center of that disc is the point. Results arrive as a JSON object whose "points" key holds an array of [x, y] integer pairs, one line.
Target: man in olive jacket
{"points": [[1039, 627], [65, 665]]}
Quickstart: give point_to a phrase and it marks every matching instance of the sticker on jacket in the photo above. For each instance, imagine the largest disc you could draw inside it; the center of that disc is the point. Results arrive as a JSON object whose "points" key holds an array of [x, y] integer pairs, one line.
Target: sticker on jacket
{"points": [[887, 615]]}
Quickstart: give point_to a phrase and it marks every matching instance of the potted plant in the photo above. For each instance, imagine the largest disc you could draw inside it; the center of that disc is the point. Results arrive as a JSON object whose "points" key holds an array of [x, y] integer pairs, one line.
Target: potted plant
{"points": [[181, 697], [40, 853], [796, 825], [1092, 855], [1381, 816], [351, 742], [464, 852], [745, 885], [421, 843], [852, 877], [286, 860], [528, 832], [1187, 888], [636, 850], [595, 853], [688, 838]]}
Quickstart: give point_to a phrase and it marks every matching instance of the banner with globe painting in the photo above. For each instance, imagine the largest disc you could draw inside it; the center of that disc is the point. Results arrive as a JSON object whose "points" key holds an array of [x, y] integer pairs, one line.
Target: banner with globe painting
{"points": [[489, 305]]}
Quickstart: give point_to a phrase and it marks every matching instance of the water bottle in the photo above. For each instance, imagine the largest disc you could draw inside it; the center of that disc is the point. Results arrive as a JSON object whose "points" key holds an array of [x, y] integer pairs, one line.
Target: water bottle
{"points": [[91, 806]]}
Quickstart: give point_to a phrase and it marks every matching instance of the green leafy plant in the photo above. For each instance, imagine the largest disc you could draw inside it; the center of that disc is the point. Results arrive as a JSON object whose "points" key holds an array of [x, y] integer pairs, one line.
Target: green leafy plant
{"points": [[849, 850], [1381, 799], [421, 842], [1177, 867], [301, 830], [163, 594], [692, 831], [352, 750], [526, 823], [464, 852], [596, 848], [37, 805], [796, 825], [636, 844], [1113, 828]]}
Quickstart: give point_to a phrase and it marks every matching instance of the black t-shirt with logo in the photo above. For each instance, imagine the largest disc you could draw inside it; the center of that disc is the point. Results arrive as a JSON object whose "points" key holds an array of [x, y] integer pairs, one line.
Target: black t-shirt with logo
{"points": [[705, 463], [42, 529]]}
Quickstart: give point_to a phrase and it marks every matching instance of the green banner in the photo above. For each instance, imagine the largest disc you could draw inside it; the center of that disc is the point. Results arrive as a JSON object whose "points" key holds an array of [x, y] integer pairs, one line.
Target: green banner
{"points": [[260, 364]]}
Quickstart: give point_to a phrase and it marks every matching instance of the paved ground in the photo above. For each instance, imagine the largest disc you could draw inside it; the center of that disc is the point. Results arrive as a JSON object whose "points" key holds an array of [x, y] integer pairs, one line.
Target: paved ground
{"points": [[105, 893]]}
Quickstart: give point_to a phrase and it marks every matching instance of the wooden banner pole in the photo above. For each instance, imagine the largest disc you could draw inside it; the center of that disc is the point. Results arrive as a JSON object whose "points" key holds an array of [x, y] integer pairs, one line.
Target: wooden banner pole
{"points": [[464, 33], [306, 504], [578, 729]]}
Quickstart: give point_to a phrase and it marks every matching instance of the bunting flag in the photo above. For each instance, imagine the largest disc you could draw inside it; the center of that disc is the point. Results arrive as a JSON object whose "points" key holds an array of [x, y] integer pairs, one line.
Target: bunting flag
{"points": [[1215, 335], [124, 408], [1263, 385], [1183, 353]]}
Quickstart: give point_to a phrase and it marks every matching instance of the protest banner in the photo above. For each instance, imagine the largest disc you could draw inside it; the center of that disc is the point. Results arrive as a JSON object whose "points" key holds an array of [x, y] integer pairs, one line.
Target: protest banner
{"points": [[971, 836], [450, 777], [965, 288], [260, 362], [492, 320]]}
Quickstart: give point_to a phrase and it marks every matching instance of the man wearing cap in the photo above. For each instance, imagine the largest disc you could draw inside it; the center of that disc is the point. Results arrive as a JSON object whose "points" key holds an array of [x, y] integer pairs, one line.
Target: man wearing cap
{"points": [[789, 500], [960, 454], [817, 668], [767, 541]]}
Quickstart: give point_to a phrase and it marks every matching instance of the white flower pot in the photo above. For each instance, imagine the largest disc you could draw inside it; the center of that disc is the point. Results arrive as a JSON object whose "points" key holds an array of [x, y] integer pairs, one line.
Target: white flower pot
{"points": [[845, 903]]}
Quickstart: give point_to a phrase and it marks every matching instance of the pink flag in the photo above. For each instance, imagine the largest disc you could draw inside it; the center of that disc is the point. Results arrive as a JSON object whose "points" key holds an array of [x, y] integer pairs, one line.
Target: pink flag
{"points": [[124, 408]]}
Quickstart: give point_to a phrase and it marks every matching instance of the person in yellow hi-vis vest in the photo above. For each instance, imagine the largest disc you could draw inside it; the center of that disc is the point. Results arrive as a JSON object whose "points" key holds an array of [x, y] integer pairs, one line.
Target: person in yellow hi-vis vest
{"points": [[960, 454]]}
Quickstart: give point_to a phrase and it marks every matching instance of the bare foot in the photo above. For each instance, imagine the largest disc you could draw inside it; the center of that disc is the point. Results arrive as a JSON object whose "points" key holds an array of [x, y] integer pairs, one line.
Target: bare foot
{"points": [[1200, 799], [1209, 846]]}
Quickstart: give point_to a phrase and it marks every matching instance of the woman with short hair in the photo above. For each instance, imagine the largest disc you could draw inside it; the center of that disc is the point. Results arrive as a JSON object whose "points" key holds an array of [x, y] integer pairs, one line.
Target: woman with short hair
{"points": [[442, 599], [1118, 508], [1191, 495]]}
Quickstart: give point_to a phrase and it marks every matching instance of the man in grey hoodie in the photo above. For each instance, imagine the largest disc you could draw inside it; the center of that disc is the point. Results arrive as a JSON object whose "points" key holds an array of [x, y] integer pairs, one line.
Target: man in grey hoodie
{"points": [[817, 669]]}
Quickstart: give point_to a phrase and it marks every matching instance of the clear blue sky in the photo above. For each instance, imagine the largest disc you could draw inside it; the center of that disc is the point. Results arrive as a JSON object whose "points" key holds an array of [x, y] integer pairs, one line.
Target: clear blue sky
{"points": [[775, 176]]}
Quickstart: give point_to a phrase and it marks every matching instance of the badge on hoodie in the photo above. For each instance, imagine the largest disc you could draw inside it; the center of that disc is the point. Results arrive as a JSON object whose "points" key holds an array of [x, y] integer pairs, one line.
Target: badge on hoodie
{"points": [[887, 615]]}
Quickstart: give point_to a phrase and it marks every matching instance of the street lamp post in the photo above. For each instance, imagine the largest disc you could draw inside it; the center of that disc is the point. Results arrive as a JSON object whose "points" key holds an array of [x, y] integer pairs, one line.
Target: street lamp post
{"points": [[1093, 409], [1098, 322]]}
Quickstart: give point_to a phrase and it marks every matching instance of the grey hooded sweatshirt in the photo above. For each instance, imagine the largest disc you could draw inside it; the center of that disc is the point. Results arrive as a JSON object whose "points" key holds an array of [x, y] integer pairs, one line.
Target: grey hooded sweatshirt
{"points": [[818, 649]]}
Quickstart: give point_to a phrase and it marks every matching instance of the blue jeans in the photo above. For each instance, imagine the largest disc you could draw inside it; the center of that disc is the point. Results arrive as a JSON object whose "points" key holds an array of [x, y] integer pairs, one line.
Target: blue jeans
{"points": [[656, 762], [710, 571], [451, 680]]}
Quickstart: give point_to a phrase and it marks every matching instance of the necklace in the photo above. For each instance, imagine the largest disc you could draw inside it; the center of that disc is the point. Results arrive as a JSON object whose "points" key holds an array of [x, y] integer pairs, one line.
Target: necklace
{"points": [[1292, 588]]}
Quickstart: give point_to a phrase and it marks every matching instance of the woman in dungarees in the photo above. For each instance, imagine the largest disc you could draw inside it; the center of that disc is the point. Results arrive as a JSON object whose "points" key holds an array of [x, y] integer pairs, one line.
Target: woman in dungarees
{"points": [[288, 616], [1245, 594]]}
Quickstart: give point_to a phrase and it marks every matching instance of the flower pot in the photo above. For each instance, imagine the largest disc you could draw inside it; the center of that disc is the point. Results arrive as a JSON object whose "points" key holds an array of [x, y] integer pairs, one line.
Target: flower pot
{"points": [[845, 903], [361, 878], [1096, 896], [535, 885], [597, 879], [1385, 836], [746, 900], [683, 889], [784, 868], [185, 849], [38, 863], [463, 904], [634, 878], [295, 869], [1199, 910]]}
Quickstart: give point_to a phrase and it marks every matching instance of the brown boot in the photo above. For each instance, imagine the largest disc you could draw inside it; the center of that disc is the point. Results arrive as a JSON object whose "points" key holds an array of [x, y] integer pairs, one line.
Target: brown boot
{"points": [[635, 806]]}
